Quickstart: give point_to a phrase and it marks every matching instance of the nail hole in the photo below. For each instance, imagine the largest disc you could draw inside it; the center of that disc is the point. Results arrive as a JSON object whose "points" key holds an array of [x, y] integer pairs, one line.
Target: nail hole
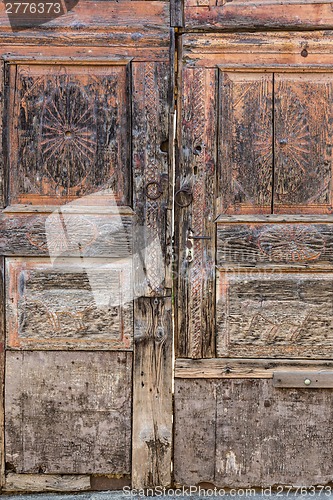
{"points": [[197, 149], [304, 53], [164, 146]]}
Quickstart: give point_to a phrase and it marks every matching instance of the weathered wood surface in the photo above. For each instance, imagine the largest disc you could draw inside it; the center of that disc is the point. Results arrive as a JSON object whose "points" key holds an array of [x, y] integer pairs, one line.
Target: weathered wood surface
{"points": [[152, 393], [265, 14], [244, 368], [284, 244], [303, 379], [245, 142], [303, 142], [68, 413], [267, 314], [60, 233], [94, 17], [72, 304], [2, 370], [45, 482], [239, 433], [150, 119], [68, 133], [194, 213], [274, 50]]}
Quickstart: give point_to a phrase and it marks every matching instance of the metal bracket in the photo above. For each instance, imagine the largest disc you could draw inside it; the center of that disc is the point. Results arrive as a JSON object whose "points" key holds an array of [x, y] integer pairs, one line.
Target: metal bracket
{"points": [[303, 379]]}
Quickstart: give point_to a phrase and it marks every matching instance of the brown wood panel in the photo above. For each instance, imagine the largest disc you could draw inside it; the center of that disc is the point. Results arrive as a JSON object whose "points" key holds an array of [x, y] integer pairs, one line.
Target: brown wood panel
{"points": [[150, 125], [245, 368], [194, 212], [245, 142], [72, 304], [263, 436], [265, 14], [288, 243], [273, 50], [152, 393], [68, 133], [72, 231], [303, 119], [267, 314], [68, 412]]}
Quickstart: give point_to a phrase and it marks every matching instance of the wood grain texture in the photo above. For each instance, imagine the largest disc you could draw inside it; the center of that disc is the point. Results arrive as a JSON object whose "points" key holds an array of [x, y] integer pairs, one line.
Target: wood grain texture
{"points": [[275, 315], [152, 393], [2, 370], [194, 213], [283, 244], [68, 133], [72, 304], [68, 413], [303, 379], [60, 233], [245, 142], [150, 125], [274, 50], [244, 368], [240, 14], [303, 142], [45, 482], [256, 430]]}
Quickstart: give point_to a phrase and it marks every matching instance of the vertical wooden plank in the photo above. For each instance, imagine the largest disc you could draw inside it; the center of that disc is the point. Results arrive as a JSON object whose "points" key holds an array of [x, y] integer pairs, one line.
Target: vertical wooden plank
{"points": [[150, 125], [246, 142], [2, 371], [303, 143], [194, 213], [152, 393], [2, 149], [152, 367]]}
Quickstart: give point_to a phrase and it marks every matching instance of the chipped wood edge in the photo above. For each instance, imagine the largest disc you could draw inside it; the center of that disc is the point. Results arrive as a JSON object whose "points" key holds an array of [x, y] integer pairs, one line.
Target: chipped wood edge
{"points": [[243, 368], [46, 482]]}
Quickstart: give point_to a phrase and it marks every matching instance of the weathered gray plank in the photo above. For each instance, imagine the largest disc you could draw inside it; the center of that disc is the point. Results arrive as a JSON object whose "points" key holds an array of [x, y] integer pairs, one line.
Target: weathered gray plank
{"points": [[68, 413], [263, 436], [195, 201], [194, 431], [275, 315], [244, 368], [279, 245], [152, 393], [77, 304], [45, 482], [245, 142]]}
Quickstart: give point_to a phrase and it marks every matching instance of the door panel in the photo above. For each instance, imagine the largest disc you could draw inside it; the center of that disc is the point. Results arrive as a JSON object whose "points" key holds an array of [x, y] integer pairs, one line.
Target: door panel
{"points": [[77, 118], [68, 412], [245, 433], [303, 142], [271, 313], [245, 146]]}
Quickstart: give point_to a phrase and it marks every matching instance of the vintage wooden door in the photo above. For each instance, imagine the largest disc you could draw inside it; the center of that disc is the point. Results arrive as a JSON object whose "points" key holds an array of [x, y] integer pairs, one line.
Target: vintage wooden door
{"points": [[85, 290], [254, 370]]}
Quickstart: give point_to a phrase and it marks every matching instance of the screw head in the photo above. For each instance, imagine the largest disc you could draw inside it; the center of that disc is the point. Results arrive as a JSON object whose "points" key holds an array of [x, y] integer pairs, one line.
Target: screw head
{"points": [[307, 381]]}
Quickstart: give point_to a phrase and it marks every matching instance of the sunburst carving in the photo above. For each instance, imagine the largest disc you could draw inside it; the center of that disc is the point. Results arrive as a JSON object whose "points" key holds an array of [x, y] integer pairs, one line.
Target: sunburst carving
{"points": [[68, 135]]}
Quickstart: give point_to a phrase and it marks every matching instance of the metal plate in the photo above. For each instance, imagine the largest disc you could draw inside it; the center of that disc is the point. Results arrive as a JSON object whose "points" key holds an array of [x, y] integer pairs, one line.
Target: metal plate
{"points": [[304, 379]]}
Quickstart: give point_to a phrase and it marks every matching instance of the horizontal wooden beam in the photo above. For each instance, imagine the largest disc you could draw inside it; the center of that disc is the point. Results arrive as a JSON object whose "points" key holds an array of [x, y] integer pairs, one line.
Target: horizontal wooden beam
{"points": [[243, 368], [46, 482]]}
